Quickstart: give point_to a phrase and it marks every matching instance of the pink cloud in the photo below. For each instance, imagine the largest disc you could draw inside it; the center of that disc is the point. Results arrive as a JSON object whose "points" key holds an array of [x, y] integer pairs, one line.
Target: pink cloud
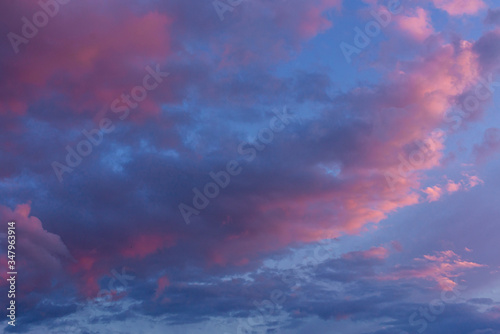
{"points": [[422, 90], [40, 245], [378, 253], [144, 245], [308, 19], [418, 25], [313, 20], [92, 265], [330, 207], [105, 62], [460, 7], [436, 192], [474, 181], [442, 267], [425, 89], [452, 187], [41, 254], [433, 193]]}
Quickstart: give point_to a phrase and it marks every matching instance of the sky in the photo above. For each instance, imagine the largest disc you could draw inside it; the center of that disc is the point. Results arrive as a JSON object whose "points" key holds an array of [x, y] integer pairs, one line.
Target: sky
{"points": [[251, 166]]}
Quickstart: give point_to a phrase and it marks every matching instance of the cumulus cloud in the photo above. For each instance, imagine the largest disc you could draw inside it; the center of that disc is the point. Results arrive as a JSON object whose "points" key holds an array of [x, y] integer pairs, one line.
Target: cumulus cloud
{"points": [[41, 255], [417, 25], [469, 181], [433, 193], [360, 153]]}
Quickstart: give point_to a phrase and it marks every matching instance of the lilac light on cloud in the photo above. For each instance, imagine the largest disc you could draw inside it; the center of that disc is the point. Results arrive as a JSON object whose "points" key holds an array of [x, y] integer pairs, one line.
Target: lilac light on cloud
{"points": [[337, 163]]}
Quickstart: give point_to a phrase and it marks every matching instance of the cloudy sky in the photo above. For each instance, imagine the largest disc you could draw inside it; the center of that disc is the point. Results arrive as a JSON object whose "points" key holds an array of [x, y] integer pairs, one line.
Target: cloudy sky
{"points": [[255, 166]]}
